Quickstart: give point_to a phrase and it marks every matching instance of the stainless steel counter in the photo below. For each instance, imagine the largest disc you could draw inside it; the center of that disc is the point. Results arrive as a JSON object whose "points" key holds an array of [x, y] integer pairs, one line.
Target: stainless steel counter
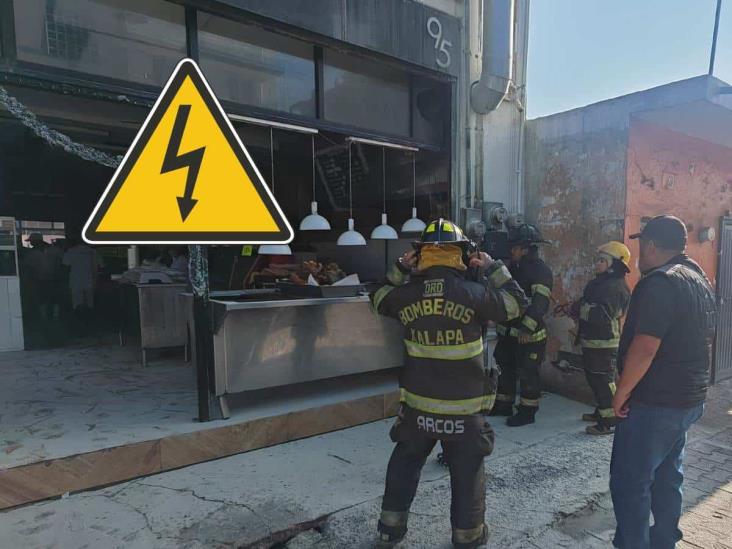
{"points": [[266, 341]]}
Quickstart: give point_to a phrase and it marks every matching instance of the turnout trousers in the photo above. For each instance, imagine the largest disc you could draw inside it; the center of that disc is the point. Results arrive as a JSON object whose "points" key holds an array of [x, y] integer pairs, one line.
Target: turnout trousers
{"points": [[464, 455], [520, 361], [600, 371]]}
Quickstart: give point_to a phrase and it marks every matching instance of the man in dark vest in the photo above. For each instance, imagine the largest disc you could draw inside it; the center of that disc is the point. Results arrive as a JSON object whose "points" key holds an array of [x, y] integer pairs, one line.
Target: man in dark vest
{"points": [[445, 388], [664, 360]]}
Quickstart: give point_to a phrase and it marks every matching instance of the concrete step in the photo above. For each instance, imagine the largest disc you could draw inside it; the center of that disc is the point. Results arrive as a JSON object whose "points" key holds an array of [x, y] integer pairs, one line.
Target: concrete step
{"points": [[266, 424]]}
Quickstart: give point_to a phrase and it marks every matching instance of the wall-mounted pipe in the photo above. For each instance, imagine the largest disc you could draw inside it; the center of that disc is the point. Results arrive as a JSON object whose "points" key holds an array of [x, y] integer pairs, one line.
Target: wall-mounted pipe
{"points": [[497, 62]]}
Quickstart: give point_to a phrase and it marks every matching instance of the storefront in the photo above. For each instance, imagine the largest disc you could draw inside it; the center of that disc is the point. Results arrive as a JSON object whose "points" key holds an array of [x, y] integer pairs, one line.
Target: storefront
{"points": [[362, 106], [353, 110], [352, 105]]}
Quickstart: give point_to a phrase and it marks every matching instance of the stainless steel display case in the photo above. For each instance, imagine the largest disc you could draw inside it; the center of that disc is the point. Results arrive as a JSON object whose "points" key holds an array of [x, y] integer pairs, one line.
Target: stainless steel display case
{"points": [[272, 341], [263, 339]]}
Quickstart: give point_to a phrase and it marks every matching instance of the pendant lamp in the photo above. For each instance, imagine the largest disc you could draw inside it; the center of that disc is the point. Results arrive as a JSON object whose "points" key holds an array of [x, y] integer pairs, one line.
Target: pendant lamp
{"points": [[273, 249], [351, 237], [414, 224], [314, 222], [384, 231]]}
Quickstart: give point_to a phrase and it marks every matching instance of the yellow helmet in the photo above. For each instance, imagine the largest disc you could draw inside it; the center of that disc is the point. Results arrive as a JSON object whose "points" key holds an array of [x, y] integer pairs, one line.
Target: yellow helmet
{"points": [[616, 250]]}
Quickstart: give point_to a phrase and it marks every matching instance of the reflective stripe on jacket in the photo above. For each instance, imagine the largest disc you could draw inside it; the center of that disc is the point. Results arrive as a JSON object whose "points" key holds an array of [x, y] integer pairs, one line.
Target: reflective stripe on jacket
{"points": [[442, 316], [604, 302], [536, 279]]}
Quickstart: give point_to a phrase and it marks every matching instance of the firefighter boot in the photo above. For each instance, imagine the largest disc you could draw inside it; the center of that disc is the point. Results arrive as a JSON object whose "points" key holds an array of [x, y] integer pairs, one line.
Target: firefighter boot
{"points": [[605, 426], [387, 541], [460, 539], [392, 528], [524, 416], [594, 417], [502, 408]]}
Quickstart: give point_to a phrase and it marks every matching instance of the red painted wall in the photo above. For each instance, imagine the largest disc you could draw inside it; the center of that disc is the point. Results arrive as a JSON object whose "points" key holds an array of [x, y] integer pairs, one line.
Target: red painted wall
{"points": [[669, 172]]}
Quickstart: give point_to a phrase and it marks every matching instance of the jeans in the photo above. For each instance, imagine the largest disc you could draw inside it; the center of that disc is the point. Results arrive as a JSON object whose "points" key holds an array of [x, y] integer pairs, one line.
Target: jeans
{"points": [[646, 474]]}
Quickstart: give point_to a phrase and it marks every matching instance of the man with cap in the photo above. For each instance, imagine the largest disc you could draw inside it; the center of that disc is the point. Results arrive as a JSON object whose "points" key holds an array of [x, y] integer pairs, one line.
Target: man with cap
{"points": [[522, 341], [445, 389], [664, 360]]}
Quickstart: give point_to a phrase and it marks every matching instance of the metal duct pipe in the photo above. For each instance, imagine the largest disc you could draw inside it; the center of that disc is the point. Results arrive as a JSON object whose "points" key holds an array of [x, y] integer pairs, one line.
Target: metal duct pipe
{"points": [[497, 63]]}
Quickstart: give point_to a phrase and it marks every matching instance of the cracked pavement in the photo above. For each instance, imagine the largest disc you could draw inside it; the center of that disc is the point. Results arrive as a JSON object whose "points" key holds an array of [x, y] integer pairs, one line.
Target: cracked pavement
{"points": [[546, 487]]}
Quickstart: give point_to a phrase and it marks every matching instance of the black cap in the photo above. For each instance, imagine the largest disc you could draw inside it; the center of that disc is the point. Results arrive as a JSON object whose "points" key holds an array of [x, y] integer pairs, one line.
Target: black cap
{"points": [[667, 231]]}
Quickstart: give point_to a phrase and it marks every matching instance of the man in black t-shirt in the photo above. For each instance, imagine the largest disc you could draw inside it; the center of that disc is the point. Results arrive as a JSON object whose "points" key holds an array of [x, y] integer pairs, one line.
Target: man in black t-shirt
{"points": [[664, 359]]}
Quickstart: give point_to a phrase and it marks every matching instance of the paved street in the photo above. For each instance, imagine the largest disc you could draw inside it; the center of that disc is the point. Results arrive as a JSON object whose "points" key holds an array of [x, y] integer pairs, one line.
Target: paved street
{"points": [[547, 487]]}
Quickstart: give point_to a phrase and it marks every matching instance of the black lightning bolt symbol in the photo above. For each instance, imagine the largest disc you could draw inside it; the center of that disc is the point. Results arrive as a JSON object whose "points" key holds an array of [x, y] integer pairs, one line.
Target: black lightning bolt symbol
{"points": [[175, 161]]}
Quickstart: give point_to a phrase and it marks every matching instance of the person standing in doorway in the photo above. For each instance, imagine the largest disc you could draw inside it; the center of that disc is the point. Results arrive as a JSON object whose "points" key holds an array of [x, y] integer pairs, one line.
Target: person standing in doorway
{"points": [[83, 262], [38, 268], [664, 361]]}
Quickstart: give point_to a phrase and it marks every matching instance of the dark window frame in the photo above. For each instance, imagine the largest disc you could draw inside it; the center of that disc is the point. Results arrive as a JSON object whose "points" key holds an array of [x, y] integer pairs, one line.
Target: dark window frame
{"points": [[16, 72]]}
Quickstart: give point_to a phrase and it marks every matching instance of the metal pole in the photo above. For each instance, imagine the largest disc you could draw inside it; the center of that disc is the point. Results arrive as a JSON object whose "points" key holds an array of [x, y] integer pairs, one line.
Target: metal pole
{"points": [[198, 271], [714, 38]]}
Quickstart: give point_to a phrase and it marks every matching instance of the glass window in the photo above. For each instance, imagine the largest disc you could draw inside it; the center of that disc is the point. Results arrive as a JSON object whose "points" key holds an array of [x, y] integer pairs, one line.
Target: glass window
{"points": [[365, 94], [248, 65], [135, 40]]}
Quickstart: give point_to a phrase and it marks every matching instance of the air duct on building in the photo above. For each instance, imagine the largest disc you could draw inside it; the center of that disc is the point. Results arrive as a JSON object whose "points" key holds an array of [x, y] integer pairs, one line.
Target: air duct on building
{"points": [[497, 62]]}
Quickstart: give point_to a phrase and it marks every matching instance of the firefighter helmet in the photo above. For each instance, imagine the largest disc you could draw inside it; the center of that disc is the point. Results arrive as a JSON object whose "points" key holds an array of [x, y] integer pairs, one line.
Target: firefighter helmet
{"points": [[443, 231], [526, 235], [616, 250]]}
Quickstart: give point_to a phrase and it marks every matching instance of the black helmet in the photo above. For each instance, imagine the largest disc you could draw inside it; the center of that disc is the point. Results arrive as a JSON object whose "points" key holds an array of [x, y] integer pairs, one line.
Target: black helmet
{"points": [[443, 231], [525, 235]]}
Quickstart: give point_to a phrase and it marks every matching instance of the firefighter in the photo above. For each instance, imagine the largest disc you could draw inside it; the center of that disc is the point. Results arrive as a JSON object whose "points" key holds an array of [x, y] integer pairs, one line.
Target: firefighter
{"points": [[604, 302], [522, 341], [445, 389]]}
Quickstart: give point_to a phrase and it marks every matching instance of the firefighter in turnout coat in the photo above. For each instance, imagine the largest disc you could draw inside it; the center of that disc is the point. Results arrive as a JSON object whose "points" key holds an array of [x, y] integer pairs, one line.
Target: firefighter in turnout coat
{"points": [[604, 302], [445, 388], [522, 341]]}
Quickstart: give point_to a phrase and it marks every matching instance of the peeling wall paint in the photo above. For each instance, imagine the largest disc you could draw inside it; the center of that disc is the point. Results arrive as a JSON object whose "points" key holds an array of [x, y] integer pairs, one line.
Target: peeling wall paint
{"points": [[584, 188], [669, 172], [575, 186]]}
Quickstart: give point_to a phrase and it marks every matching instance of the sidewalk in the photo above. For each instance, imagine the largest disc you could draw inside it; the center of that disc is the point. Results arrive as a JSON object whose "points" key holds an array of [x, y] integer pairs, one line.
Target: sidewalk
{"points": [[707, 519], [547, 487]]}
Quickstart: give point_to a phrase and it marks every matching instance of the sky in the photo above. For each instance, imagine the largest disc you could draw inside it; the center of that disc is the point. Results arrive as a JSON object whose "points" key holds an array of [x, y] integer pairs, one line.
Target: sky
{"points": [[584, 51]]}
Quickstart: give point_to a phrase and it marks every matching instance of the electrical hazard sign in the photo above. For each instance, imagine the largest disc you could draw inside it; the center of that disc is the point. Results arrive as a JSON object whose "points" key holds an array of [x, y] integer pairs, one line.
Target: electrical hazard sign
{"points": [[187, 178]]}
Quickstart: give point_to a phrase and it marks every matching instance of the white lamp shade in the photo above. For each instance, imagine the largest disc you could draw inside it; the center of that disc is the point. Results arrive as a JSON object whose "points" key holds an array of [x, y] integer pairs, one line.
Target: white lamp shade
{"points": [[413, 225], [351, 237], [314, 222], [384, 231], [275, 249]]}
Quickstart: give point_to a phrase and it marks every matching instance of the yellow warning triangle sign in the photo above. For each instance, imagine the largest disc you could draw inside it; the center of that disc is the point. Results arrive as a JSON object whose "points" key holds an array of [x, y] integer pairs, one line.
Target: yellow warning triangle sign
{"points": [[187, 178]]}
